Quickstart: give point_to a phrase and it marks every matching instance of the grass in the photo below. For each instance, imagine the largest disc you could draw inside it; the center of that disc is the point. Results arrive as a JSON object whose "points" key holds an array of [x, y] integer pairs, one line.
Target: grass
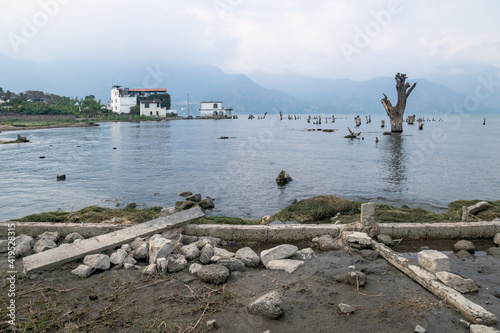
{"points": [[225, 220]]}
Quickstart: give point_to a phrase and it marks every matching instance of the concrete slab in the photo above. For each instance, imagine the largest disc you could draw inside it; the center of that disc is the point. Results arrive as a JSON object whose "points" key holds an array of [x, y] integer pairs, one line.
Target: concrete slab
{"points": [[278, 233], [316, 230], [434, 261], [470, 230], [443, 231], [87, 230], [251, 233], [69, 252]]}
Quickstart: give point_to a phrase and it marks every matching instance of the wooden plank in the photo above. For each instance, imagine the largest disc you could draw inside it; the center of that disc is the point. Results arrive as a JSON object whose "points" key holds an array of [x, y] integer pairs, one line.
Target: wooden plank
{"points": [[69, 252]]}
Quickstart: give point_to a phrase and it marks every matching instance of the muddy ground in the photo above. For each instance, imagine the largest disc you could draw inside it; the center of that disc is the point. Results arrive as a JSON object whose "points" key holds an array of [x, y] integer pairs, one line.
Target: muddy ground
{"points": [[127, 301]]}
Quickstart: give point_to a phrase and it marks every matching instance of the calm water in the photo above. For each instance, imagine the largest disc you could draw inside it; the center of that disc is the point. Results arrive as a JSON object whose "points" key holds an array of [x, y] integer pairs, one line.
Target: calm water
{"points": [[153, 161]]}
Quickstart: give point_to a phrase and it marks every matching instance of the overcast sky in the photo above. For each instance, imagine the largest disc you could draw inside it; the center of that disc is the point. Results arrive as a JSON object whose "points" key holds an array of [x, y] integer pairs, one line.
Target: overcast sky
{"points": [[329, 39]]}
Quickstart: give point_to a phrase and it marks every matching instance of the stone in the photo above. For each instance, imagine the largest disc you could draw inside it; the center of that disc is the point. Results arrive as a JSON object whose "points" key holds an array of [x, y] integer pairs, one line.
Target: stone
{"points": [[126, 248], [141, 252], [368, 214], [202, 241], [354, 278], [464, 245], [160, 248], [118, 257], [191, 251], [358, 240], [153, 237], [287, 265], [279, 252], [462, 254], [207, 203], [479, 207], [346, 308], [206, 254], [97, 261], [136, 243], [494, 251], [265, 219], [4, 246], [212, 325], [194, 197], [283, 178], [162, 265], [248, 257], [434, 261], [186, 239], [130, 260], [176, 263], [185, 194], [304, 254], [184, 205], [386, 240], [235, 276], [44, 244], [213, 273], [83, 271], [24, 245], [129, 266], [167, 211], [50, 235], [233, 264], [194, 268], [369, 254], [482, 329], [271, 305], [222, 252], [327, 243], [457, 282], [420, 329], [150, 269], [496, 239], [61, 178]]}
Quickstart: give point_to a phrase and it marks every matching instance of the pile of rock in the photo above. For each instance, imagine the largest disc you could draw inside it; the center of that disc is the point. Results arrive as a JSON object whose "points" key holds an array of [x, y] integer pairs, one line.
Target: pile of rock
{"points": [[27, 245], [191, 200]]}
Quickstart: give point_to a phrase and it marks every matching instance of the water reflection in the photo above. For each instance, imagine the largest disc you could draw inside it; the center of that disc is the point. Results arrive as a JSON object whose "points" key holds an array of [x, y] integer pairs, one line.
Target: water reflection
{"points": [[394, 159]]}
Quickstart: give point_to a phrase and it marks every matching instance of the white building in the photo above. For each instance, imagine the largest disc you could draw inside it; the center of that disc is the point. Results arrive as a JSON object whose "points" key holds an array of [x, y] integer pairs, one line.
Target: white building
{"points": [[152, 108], [122, 99], [214, 110]]}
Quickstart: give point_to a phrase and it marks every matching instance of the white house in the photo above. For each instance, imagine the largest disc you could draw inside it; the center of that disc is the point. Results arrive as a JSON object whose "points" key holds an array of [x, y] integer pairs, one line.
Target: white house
{"points": [[214, 110], [152, 108], [122, 99]]}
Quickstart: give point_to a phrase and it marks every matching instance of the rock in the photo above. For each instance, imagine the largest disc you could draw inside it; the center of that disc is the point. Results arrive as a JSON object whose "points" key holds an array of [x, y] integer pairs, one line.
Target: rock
{"points": [[235, 276], [183, 205], [207, 203], [194, 268], [385, 239], [326, 243], [160, 248], [248, 257], [214, 273], [150, 269], [212, 325], [420, 329], [304, 254], [265, 219], [118, 257], [276, 253], [496, 239], [185, 194], [464, 245], [167, 211], [126, 248], [369, 254], [44, 244], [202, 241], [346, 308], [162, 265], [176, 263], [479, 207], [358, 240], [153, 237], [283, 178], [464, 255], [97, 261], [457, 282], [190, 251], [270, 305], [494, 251], [186, 239], [223, 253], [24, 245], [4, 246], [50, 235], [136, 243], [233, 264], [287, 265], [354, 278], [206, 254], [482, 329], [130, 260], [194, 197], [83, 271], [61, 178], [434, 261], [128, 266], [141, 251]]}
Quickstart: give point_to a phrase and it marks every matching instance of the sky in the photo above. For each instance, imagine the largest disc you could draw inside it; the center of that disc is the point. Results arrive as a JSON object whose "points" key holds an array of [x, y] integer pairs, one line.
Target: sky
{"points": [[332, 39]]}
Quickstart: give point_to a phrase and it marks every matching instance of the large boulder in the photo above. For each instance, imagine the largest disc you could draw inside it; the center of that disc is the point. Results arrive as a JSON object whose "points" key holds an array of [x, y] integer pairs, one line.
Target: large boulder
{"points": [[50, 235], [97, 261], [287, 265], [213, 273], [24, 245], [270, 305], [248, 257], [44, 244], [206, 254], [160, 248], [460, 284], [176, 263], [190, 251], [279, 252]]}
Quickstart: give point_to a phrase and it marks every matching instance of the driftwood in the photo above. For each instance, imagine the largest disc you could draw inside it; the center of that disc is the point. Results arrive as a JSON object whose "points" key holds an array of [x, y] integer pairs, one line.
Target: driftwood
{"points": [[352, 135], [396, 112], [429, 281], [410, 119]]}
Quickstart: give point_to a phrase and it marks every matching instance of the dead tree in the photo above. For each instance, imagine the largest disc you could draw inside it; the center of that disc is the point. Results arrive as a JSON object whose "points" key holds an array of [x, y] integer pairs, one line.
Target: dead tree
{"points": [[352, 135], [396, 112]]}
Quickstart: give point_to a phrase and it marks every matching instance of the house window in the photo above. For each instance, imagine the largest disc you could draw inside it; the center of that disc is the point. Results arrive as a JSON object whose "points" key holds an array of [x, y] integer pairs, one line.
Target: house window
{"points": [[157, 105], [215, 113], [215, 106], [146, 105], [150, 113]]}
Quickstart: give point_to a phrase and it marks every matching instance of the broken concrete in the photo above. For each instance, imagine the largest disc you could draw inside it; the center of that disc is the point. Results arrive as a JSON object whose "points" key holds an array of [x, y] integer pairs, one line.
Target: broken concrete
{"points": [[434, 261], [279, 252], [457, 282]]}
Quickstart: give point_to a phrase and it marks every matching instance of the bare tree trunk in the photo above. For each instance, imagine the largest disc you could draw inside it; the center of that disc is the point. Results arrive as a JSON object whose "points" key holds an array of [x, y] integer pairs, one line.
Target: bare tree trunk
{"points": [[396, 112]]}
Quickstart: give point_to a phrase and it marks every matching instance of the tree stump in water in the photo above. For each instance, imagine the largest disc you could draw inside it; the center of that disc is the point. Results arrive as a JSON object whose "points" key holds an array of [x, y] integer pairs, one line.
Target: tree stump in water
{"points": [[352, 135], [410, 120], [382, 123]]}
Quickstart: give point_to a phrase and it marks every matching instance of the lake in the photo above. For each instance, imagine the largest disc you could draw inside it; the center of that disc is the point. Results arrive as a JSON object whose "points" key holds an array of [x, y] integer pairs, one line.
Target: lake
{"points": [[150, 162]]}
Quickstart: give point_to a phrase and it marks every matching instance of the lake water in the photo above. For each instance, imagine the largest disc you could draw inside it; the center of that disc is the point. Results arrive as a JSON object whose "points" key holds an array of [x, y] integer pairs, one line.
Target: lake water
{"points": [[452, 159]]}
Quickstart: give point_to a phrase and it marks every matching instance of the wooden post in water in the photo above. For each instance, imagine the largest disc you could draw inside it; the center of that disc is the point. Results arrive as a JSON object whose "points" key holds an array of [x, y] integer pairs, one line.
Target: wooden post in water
{"points": [[382, 123], [484, 121], [420, 124]]}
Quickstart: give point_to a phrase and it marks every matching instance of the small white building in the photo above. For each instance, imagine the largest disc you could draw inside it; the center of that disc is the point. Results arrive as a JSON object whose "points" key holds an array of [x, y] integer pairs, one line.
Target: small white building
{"points": [[153, 108], [214, 110], [122, 99]]}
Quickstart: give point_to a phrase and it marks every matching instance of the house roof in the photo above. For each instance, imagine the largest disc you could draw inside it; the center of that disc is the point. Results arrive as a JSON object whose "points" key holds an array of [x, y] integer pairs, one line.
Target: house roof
{"points": [[148, 90]]}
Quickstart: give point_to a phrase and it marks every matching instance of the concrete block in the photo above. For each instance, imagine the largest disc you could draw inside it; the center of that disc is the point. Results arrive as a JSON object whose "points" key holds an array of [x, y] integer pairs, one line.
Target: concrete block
{"points": [[469, 230], [443, 231], [434, 261], [368, 214], [281, 233], [69, 252]]}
